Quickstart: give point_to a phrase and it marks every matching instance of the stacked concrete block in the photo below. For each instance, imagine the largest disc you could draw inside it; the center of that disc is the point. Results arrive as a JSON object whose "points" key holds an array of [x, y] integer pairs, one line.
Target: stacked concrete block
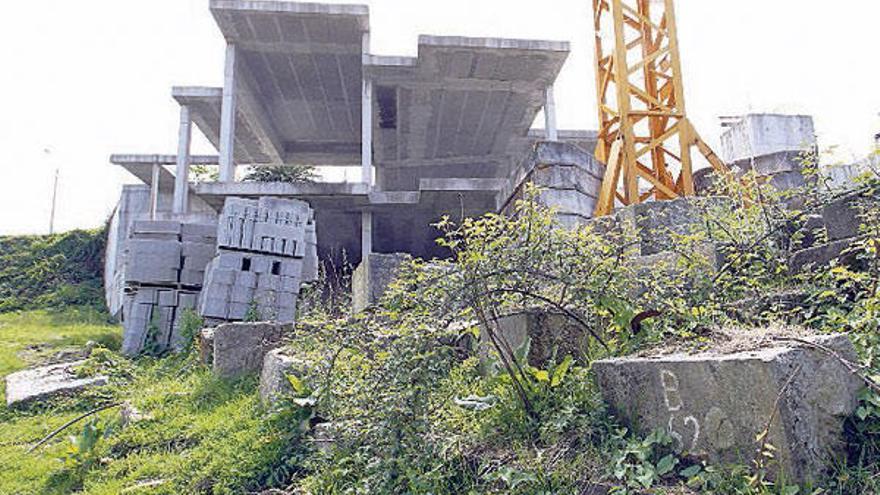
{"points": [[266, 250], [165, 263], [568, 176]]}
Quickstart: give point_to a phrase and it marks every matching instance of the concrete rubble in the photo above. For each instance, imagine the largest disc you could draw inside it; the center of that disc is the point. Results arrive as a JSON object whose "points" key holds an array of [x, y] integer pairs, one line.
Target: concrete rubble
{"points": [[164, 270], [27, 386], [715, 405], [238, 349], [266, 250]]}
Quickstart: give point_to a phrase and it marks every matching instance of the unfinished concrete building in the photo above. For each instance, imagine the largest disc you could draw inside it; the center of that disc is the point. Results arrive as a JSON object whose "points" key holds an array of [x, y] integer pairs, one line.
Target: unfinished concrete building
{"points": [[448, 132]]}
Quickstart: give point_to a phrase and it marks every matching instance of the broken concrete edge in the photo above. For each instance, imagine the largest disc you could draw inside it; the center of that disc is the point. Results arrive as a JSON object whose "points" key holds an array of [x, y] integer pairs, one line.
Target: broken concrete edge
{"points": [[278, 365], [715, 405], [47, 382]]}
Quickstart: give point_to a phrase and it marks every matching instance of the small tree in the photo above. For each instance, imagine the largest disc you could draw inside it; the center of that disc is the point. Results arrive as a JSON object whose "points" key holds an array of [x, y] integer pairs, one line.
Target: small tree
{"points": [[290, 174]]}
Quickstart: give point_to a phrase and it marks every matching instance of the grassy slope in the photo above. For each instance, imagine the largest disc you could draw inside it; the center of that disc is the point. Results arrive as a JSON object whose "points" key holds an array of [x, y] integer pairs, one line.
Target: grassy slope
{"points": [[201, 435]]}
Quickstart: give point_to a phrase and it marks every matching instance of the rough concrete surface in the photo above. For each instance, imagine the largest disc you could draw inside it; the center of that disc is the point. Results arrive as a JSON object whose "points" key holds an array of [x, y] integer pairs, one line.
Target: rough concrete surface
{"points": [[239, 348], [372, 277], [277, 364], [550, 335], [35, 384], [716, 405]]}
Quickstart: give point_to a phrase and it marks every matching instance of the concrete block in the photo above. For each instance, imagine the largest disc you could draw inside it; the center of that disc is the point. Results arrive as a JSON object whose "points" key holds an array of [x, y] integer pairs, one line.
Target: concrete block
{"points": [[192, 278], [261, 264], [550, 335], [822, 255], [841, 217], [187, 300], [167, 298], [199, 250], [199, 230], [223, 276], [40, 384], [241, 294], [230, 260], [240, 348], [290, 284], [372, 277], [138, 248], [268, 281], [291, 267], [156, 227], [238, 311], [246, 279], [214, 307], [715, 405], [146, 295], [277, 365]]}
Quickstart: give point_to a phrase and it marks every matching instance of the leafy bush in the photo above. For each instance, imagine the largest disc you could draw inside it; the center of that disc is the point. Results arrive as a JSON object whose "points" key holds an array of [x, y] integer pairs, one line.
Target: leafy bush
{"points": [[52, 271]]}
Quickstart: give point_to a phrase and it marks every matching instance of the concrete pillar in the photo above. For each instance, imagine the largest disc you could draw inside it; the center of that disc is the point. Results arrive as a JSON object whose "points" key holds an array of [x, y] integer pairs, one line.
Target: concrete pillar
{"points": [[366, 235], [227, 118], [181, 180], [550, 115], [366, 119], [154, 192]]}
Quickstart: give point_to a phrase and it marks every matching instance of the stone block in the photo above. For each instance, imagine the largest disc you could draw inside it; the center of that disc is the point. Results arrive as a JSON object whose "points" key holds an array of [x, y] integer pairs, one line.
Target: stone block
{"points": [[268, 281], [373, 276], [156, 227], [822, 255], [550, 335], [187, 300], [659, 223], [841, 218], [167, 298], [246, 279], [277, 364], [230, 260], [144, 248], [192, 278], [715, 405], [240, 348], [207, 231], [241, 294], [28, 386]]}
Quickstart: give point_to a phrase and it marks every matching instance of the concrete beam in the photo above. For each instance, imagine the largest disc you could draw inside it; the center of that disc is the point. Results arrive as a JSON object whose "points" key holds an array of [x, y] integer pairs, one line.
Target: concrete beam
{"points": [[227, 119], [181, 179]]}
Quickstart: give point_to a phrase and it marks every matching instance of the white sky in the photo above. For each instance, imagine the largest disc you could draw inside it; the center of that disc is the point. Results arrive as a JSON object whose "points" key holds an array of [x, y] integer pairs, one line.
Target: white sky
{"points": [[89, 78]]}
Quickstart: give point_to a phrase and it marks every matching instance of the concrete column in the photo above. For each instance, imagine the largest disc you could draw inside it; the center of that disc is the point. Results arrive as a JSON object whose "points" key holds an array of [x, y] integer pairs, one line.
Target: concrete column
{"points": [[154, 192], [366, 234], [366, 119], [227, 118], [550, 115], [181, 180]]}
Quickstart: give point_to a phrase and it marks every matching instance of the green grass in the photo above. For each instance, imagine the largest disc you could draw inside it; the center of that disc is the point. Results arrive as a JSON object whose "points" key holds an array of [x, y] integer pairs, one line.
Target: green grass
{"points": [[26, 338], [200, 434]]}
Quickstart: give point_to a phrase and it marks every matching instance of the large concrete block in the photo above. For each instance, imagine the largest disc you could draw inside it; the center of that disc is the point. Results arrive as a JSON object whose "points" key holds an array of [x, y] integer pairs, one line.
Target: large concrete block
{"points": [[373, 276], [715, 405], [841, 217], [240, 348], [28, 386], [757, 135], [550, 335], [822, 255], [277, 365]]}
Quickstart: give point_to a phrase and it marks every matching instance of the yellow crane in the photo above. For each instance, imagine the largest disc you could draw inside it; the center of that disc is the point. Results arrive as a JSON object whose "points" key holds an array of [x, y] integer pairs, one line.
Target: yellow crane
{"points": [[645, 137]]}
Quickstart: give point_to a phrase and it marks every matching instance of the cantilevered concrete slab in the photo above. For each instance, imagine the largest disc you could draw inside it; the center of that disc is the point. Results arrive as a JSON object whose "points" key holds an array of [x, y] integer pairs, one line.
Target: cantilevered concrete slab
{"points": [[300, 67], [141, 166], [462, 108]]}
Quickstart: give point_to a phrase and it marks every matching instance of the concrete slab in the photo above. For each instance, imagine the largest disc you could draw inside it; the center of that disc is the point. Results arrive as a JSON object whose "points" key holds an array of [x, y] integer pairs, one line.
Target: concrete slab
{"points": [[38, 384]]}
